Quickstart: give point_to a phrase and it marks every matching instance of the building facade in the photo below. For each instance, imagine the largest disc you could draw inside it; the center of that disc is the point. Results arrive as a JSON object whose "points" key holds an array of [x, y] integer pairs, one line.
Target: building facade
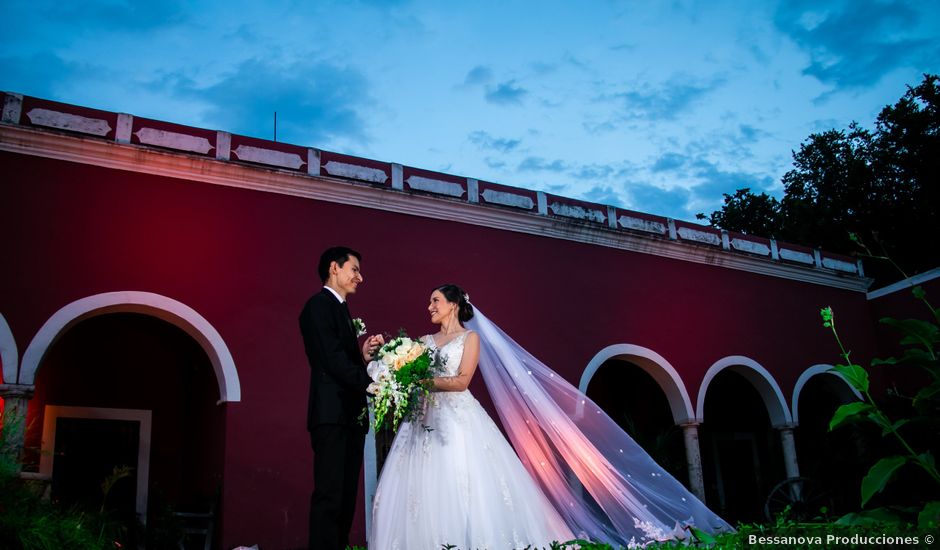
{"points": [[153, 275]]}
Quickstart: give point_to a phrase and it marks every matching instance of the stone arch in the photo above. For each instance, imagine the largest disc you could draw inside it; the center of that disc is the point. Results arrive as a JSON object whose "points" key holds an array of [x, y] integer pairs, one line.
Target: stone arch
{"points": [[162, 307], [846, 390], [759, 377], [653, 364], [8, 353]]}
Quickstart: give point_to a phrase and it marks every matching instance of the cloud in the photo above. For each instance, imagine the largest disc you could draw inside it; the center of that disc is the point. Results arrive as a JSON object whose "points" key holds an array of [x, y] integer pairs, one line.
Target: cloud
{"points": [[715, 182], [506, 93], [244, 33], [667, 101], [669, 161], [852, 44], [486, 141], [494, 163], [538, 164], [44, 74], [750, 134], [117, 15], [592, 172], [383, 3], [315, 101], [603, 195], [542, 68], [656, 200], [624, 46], [478, 75], [599, 127]]}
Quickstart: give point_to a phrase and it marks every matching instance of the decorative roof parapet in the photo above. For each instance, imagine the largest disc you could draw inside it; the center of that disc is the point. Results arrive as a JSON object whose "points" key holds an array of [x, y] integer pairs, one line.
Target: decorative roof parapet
{"points": [[233, 148]]}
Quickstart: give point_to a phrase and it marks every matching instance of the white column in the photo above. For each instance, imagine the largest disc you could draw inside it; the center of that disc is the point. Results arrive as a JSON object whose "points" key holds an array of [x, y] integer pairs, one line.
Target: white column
{"points": [[398, 176], [789, 450], [693, 456], [473, 190], [15, 400]]}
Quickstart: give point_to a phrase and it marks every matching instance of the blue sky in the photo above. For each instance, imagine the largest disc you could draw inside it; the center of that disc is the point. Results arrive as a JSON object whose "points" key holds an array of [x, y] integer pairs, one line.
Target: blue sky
{"points": [[655, 106]]}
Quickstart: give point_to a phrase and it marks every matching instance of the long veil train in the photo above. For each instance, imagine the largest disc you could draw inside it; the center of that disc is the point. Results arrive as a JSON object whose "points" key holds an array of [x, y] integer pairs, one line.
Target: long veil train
{"points": [[604, 485]]}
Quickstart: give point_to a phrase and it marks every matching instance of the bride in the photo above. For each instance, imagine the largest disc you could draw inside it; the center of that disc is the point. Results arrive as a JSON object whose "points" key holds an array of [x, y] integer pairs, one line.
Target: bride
{"points": [[451, 478]]}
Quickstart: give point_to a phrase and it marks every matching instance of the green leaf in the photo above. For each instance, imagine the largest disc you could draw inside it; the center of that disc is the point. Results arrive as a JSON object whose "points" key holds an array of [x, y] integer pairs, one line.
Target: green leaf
{"points": [[894, 427], [875, 516], [856, 376], [926, 459], [702, 536], [926, 394], [880, 419], [879, 475], [847, 411], [929, 517], [916, 357], [826, 314], [916, 332]]}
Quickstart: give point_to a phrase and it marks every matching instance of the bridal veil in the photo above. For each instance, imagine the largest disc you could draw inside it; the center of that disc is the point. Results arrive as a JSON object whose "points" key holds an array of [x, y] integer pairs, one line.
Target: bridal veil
{"points": [[604, 485]]}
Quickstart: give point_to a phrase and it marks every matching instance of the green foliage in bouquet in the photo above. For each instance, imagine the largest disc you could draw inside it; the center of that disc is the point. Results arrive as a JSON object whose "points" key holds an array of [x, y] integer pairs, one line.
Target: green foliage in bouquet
{"points": [[403, 386]]}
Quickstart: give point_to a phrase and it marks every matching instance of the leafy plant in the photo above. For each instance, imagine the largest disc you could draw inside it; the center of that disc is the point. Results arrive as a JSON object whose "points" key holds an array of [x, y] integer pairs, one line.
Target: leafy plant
{"points": [[29, 522], [920, 340]]}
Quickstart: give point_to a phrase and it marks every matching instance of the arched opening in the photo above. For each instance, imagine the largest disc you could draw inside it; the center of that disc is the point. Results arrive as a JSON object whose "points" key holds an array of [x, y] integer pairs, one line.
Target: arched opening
{"points": [[635, 400], [838, 460], [129, 389], [742, 458], [9, 357]]}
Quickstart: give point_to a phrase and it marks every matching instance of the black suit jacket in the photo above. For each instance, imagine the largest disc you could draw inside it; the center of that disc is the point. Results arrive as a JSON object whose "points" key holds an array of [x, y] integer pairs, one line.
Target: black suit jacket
{"points": [[338, 377]]}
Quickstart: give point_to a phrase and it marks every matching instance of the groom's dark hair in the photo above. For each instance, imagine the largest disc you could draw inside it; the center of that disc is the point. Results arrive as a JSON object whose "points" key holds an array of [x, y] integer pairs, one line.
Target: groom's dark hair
{"points": [[338, 254]]}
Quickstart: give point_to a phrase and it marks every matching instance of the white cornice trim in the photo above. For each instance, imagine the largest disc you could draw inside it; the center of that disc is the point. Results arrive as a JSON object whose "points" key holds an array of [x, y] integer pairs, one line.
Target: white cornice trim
{"points": [[905, 284], [135, 158]]}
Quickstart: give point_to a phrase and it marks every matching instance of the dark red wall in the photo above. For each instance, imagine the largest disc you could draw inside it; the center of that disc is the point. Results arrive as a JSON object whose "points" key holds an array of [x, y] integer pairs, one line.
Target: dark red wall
{"points": [[245, 260]]}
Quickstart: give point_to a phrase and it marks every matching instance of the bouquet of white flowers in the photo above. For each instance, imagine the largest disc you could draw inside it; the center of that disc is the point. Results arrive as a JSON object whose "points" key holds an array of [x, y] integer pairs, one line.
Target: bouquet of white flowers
{"points": [[402, 373]]}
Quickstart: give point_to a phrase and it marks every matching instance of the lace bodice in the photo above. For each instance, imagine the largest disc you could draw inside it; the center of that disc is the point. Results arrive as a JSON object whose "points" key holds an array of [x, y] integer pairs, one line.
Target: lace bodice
{"points": [[451, 352]]}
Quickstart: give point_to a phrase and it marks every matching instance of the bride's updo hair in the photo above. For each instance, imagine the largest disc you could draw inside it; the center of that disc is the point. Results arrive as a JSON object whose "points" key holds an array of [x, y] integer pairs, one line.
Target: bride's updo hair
{"points": [[456, 295]]}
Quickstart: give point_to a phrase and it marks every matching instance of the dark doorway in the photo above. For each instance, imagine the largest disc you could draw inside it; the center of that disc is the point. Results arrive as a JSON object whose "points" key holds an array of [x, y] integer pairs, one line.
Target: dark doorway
{"points": [[87, 452], [835, 460], [139, 362], [635, 400], [742, 457]]}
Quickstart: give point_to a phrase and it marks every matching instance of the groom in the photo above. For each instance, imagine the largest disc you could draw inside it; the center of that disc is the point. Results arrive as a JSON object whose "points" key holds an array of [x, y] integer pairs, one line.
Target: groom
{"points": [[338, 382]]}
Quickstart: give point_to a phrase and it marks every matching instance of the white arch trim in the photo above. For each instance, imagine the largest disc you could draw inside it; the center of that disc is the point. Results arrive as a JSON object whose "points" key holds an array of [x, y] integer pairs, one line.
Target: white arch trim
{"points": [[656, 366], [759, 377], [8, 352], [168, 309], [811, 372]]}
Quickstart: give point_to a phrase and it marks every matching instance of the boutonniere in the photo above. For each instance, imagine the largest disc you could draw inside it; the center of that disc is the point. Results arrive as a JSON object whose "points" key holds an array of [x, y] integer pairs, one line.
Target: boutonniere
{"points": [[360, 327]]}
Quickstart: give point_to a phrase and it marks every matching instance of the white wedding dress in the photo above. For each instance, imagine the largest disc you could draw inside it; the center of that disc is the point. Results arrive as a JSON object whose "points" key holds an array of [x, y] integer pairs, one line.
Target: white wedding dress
{"points": [[452, 478]]}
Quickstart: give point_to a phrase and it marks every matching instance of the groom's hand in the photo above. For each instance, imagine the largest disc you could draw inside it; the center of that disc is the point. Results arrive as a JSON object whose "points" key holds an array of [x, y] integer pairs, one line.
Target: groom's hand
{"points": [[371, 345]]}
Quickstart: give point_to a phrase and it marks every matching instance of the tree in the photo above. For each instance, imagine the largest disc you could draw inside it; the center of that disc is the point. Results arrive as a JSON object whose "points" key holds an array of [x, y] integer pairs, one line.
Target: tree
{"points": [[909, 163], [883, 186], [748, 213], [830, 191]]}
